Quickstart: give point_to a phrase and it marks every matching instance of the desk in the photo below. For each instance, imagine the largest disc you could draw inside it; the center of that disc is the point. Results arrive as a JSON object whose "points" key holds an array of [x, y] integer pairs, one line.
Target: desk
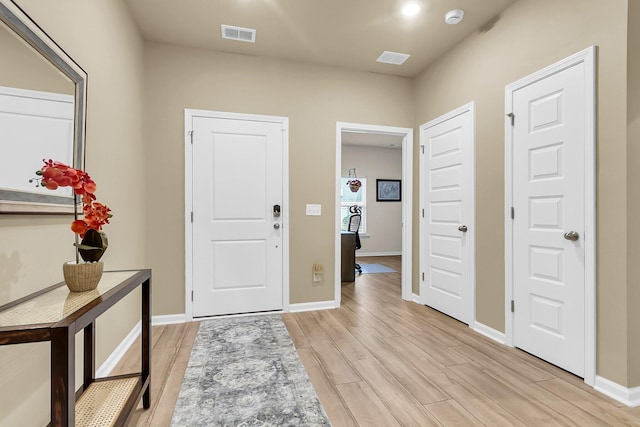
{"points": [[348, 256], [56, 315]]}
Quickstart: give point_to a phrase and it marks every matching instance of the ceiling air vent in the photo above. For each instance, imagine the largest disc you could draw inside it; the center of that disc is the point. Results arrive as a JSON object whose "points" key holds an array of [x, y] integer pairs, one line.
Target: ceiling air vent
{"points": [[393, 57], [238, 33]]}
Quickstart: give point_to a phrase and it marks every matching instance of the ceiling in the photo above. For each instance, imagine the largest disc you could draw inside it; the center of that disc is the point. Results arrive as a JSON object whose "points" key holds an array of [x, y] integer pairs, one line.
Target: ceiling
{"points": [[339, 33], [369, 139]]}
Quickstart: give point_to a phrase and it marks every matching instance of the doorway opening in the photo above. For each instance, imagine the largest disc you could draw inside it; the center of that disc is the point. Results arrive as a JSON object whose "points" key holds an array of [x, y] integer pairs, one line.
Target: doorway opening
{"points": [[358, 137]]}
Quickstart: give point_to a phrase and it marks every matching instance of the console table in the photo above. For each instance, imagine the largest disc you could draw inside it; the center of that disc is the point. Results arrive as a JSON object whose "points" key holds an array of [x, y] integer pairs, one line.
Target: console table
{"points": [[55, 314]]}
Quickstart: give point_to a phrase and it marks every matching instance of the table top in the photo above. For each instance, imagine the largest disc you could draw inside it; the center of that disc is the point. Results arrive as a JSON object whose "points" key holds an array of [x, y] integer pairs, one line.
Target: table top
{"points": [[59, 303]]}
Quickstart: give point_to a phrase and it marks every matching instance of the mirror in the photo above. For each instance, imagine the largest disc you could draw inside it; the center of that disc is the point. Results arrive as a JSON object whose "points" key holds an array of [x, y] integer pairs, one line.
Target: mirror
{"points": [[42, 113]]}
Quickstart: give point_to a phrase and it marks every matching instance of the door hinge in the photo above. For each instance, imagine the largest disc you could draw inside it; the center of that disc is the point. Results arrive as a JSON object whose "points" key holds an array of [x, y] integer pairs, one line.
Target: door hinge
{"points": [[191, 295], [513, 118], [191, 136], [513, 306], [422, 148], [423, 276], [191, 216], [513, 212], [422, 213]]}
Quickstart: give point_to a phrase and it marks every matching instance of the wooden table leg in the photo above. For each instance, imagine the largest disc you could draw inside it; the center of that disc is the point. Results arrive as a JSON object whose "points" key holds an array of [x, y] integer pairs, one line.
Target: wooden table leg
{"points": [[63, 395], [89, 354], [146, 341]]}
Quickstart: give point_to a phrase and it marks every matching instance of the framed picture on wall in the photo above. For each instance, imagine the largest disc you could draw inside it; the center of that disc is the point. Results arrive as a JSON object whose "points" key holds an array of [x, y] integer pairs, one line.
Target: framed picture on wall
{"points": [[388, 190]]}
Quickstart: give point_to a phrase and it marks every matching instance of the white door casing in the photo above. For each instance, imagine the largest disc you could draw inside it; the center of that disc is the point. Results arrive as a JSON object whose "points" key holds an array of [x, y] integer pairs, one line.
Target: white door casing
{"points": [[238, 244], [447, 230], [550, 186]]}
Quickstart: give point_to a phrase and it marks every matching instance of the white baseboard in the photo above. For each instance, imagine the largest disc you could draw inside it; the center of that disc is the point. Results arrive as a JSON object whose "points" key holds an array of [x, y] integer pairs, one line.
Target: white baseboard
{"points": [[627, 396], [168, 319], [415, 298], [490, 332], [395, 253], [115, 356], [310, 306]]}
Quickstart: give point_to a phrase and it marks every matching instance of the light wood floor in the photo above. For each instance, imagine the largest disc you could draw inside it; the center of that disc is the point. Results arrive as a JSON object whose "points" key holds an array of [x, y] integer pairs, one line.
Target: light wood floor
{"points": [[381, 361]]}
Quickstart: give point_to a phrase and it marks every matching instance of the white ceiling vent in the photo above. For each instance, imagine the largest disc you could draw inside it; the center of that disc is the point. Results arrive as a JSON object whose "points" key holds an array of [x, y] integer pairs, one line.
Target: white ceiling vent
{"points": [[238, 33], [393, 57]]}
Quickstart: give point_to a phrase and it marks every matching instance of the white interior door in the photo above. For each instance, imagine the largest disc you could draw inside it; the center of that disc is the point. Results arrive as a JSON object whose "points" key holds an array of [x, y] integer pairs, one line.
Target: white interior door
{"points": [[40, 124], [237, 229], [548, 152], [447, 226]]}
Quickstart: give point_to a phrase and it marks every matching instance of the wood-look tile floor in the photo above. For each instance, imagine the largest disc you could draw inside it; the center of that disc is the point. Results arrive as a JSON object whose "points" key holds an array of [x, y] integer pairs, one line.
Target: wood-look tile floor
{"points": [[381, 361]]}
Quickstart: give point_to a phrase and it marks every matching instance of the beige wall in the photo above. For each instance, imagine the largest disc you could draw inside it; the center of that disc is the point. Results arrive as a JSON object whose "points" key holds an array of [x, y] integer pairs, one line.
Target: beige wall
{"points": [[101, 37], [314, 98], [633, 160], [384, 219], [528, 36]]}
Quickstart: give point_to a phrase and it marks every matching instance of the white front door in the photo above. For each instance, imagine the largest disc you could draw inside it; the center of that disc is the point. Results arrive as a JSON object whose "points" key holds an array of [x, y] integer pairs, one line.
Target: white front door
{"points": [[548, 176], [237, 233], [447, 226]]}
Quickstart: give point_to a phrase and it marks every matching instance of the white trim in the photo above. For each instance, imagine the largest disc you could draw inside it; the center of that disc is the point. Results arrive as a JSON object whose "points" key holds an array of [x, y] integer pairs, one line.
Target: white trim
{"points": [[586, 56], [396, 253], [415, 298], [225, 316], [471, 234], [312, 306], [37, 94], [189, 114], [117, 354], [627, 396], [489, 332], [168, 319], [407, 200]]}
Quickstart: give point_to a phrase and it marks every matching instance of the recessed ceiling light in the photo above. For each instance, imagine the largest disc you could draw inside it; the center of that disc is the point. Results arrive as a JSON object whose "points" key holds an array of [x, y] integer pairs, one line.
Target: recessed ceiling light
{"points": [[410, 9], [454, 16], [393, 57]]}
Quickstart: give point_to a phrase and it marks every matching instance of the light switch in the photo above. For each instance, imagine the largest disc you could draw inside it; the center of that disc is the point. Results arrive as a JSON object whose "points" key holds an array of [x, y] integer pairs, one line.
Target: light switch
{"points": [[314, 210]]}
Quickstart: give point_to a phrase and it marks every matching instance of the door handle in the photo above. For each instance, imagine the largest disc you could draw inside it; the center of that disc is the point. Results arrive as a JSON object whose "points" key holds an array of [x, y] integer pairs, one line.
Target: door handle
{"points": [[276, 225], [571, 235], [463, 228]]}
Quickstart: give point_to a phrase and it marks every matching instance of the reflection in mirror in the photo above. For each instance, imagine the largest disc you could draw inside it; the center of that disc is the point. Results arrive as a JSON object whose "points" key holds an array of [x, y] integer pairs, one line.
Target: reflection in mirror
{"points": [[42, 113], [27, 68]]}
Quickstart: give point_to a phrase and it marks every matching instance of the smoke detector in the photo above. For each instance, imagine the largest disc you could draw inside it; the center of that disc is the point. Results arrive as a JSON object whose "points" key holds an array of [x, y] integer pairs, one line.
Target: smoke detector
{"points": [[454, 16], [238, 33]]}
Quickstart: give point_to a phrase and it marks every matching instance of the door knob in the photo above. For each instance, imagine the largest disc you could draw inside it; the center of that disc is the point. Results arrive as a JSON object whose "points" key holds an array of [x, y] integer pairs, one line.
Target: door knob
{"points": [[463, 228], [276, 225], [571, 235]]}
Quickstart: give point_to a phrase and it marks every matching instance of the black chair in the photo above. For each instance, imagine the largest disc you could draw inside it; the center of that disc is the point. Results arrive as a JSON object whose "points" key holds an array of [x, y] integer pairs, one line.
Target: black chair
{"points": [[355, 218]]}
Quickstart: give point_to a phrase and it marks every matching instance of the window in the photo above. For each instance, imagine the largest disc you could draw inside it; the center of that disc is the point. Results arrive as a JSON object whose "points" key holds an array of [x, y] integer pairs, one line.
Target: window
{"points": [[349, 198]]}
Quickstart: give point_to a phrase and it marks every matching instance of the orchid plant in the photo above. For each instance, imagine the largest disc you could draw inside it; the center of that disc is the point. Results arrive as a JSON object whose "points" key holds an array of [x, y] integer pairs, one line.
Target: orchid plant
{"points": [[94, 214]]}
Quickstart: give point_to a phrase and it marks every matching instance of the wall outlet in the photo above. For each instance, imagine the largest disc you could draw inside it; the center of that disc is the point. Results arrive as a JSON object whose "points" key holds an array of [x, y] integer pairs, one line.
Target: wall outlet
{"points": [[318, 269], [314, 210]]}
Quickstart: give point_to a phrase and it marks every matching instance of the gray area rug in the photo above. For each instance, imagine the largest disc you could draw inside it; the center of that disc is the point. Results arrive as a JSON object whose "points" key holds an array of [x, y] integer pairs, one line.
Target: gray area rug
{"points": [[244, 371], [375, 268]]}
